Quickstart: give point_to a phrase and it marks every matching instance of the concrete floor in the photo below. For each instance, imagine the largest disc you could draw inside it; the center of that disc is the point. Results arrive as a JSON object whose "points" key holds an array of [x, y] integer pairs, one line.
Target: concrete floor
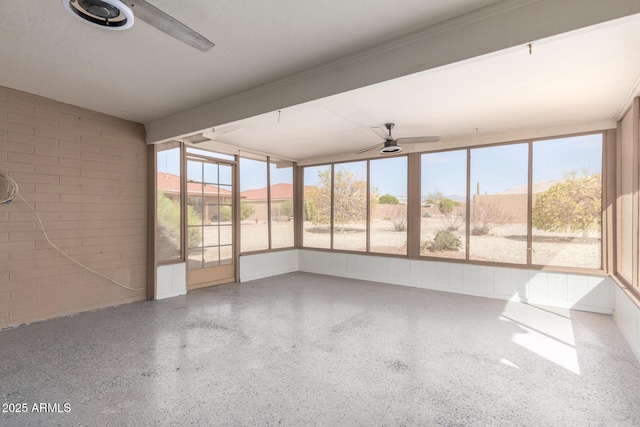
{"points": [[302, 349]]}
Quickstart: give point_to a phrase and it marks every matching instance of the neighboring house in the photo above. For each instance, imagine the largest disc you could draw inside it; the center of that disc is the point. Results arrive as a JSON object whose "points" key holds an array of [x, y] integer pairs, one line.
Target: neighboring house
{"points": [[280, 193], [204, 198]]}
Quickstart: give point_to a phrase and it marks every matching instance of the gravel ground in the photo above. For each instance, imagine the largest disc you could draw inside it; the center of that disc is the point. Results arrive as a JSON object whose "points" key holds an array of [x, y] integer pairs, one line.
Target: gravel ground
{"points": [[506, 243]]}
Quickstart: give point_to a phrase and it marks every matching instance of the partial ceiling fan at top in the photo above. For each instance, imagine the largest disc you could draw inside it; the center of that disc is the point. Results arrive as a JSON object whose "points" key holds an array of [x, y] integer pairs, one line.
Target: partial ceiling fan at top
{"points": [[120, 15], [390, 145]]}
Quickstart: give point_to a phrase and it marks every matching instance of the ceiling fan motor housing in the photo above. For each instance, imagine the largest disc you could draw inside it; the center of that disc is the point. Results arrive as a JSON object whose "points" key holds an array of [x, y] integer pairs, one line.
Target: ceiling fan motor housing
{"points": [[109, 14]]}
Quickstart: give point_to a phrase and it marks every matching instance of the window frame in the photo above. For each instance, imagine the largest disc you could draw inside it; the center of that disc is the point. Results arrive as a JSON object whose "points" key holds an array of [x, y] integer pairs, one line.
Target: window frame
{"points": [[413, 207], [633, 285], [269, 160]]}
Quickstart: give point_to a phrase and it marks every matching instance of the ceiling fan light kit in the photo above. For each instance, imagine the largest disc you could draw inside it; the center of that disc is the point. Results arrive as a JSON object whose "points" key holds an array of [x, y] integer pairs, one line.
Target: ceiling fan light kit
{"points": [[390, 148], [109, 14], [390, 145]]}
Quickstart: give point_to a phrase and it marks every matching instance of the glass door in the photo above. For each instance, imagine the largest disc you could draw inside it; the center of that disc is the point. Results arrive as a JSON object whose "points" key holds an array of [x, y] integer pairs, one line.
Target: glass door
{"points": [[210, 221]]}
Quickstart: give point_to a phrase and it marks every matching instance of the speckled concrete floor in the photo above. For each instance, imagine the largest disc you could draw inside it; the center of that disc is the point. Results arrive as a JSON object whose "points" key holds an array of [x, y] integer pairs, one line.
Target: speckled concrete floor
{"points": [[304, 349]]}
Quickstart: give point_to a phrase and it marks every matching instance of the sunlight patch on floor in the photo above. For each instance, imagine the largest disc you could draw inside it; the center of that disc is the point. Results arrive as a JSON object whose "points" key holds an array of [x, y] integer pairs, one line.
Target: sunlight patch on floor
{"points": [[547, 332]]}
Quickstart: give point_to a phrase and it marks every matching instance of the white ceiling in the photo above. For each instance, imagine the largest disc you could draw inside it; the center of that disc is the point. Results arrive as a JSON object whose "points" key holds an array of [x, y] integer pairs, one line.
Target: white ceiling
{"points": [[576, 81], [143, 75], [581, 81]]}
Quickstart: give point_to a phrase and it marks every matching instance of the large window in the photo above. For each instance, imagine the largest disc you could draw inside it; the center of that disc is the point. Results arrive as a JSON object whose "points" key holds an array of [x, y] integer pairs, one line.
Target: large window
{"points": [[281, 186], [499, 203], [317, 207], [535, 203], [567, 202], [169, 212], [266, 203], [349, 206], [388, 212], [357, 206], [444, 204], [254, 212]]}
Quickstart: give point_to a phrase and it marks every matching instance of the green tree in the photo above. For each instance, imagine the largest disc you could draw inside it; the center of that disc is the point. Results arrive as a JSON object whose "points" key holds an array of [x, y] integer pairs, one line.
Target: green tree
{"points": [[350, 195], [388, 199], [574, 204], [446, 206], [246, 210], [286, 209]]}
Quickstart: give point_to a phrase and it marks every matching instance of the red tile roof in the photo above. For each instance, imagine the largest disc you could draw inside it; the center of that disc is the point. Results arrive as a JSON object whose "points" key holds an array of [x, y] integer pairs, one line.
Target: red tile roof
{"points": [[170, 183], [278, 191]]}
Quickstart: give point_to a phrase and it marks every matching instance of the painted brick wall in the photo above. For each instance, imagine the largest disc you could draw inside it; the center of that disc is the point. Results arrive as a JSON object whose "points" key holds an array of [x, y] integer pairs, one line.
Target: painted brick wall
{"points": [[86, 175]]}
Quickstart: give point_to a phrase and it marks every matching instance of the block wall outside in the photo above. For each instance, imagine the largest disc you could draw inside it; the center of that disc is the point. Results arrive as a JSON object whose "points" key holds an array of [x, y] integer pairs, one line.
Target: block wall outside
{"points": [[85, 173]]}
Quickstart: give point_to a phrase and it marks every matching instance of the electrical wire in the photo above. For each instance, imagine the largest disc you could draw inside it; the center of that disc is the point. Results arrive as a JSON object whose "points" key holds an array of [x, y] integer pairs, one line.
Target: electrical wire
{"points": [[13, 191]]}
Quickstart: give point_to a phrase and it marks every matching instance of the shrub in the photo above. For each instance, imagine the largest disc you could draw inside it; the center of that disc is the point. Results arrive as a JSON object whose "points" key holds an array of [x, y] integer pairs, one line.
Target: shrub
{"points": [[286, 209], [574, 204], [485, 216], [446, 206], [480, 230], [225, 213], [388, 199], [399, 224], [169, 221], [444, 240], [246, 210], [426, 214]]}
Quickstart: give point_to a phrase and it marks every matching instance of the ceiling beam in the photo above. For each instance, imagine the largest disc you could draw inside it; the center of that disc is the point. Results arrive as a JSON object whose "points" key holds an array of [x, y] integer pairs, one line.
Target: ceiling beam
{"points": [[503, 25]]}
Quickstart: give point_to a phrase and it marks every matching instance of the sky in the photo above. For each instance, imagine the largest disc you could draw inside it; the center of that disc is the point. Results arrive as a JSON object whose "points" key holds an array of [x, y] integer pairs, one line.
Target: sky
{"points": [[253, 172], [496, 168], [388, 175], [503, 167]]}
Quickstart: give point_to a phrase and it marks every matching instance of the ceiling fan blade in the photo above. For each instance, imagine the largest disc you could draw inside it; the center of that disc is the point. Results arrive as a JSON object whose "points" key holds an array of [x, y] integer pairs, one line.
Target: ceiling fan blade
{"points": [[381, 133], [167, 24], [369, 148], [418, 139]]}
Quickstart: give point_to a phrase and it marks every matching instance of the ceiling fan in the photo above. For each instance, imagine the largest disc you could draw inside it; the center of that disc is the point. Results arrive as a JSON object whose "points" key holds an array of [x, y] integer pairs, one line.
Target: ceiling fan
{"points": [[119, 15], [390, 145]]}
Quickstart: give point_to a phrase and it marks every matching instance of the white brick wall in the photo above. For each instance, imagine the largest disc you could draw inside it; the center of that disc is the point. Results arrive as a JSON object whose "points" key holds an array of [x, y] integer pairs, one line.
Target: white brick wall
{"points": [[86, 175]]}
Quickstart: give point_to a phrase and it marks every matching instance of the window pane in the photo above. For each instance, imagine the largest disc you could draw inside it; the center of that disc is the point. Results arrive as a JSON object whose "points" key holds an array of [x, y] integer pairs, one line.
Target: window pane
{"points": [[169, 213], [210, 173], [194, 171], [253, 205], [317, 207], [195, 258], [225, 174], [350, 206], [567, 202], [443, 185], [281, 174], [499, 186], [210, 235], [211, 257], [388, 223]]}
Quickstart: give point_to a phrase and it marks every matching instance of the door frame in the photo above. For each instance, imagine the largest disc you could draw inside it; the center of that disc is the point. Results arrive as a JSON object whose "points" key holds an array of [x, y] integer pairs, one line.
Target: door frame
{"points": [[227, 273]]}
